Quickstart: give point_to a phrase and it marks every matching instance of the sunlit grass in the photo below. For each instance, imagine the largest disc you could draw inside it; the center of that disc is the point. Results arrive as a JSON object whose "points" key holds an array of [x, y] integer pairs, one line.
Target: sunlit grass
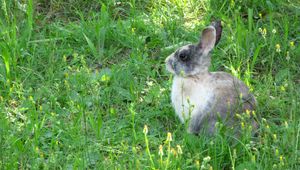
{"points": [[80, 80]]}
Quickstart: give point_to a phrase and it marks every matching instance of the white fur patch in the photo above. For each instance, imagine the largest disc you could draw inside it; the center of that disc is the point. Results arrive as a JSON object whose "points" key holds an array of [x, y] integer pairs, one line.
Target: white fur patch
{"points": [[190, 97], [168, 65]]}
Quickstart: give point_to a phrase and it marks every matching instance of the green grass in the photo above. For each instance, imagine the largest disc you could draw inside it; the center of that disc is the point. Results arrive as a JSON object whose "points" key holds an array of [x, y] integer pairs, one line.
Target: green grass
{"points": [[81, 79]]}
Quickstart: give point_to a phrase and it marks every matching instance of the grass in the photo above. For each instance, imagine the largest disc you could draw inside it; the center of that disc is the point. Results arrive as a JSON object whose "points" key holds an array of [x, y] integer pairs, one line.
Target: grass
{"points": [[81, 79]]}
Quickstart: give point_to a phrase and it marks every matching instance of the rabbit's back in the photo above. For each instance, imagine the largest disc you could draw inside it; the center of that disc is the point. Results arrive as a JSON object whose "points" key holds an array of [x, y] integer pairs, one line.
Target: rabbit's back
{"points": [[230, 89]]}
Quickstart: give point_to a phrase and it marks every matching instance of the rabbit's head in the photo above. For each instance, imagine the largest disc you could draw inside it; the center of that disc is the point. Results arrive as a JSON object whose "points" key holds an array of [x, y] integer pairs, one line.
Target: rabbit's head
{"points": [[193, 59]]}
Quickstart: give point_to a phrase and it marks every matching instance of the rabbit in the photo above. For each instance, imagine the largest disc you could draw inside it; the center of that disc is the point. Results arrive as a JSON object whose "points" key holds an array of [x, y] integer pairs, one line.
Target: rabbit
{"points": [[200, 96]]}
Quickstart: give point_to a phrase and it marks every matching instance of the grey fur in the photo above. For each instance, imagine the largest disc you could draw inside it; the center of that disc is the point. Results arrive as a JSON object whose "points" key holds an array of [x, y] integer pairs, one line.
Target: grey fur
{"points": [[191, 62]]}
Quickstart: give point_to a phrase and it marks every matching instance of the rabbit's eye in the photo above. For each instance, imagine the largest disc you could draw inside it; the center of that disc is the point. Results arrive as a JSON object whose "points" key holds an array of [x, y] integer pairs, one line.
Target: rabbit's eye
{"points": [[183, 57]]}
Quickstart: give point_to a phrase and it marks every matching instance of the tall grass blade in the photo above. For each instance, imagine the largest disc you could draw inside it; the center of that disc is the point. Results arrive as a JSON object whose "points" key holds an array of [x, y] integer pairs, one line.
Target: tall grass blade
{"points": [[91, 46], [6, 59]]}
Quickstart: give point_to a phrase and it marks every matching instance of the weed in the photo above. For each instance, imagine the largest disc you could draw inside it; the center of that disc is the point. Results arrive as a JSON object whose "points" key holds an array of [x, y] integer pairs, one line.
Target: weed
{"points": [[80, 79]]}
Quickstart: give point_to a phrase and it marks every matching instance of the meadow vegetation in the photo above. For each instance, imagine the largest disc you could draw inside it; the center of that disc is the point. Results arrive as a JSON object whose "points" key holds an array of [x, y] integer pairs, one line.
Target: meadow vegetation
{"points": [[83, 84]]}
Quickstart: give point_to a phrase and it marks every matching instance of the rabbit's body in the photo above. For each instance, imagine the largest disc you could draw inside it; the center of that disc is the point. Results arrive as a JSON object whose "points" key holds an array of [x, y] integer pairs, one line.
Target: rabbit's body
{"points": [[189, 96], [199, 95]]}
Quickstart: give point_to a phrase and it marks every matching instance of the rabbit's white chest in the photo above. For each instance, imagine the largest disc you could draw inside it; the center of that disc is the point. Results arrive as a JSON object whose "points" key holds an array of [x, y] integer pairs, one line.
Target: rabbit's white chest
{"points": [[190, 97]]}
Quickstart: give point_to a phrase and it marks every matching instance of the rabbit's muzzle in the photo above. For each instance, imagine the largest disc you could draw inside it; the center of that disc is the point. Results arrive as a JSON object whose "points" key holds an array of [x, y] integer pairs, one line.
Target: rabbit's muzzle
{"points": [[170, 64]]}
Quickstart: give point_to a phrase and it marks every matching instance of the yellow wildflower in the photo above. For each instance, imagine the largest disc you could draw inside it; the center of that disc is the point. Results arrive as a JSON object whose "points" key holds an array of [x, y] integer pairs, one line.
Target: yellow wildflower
{"points": [[277, 46], [248, 113], [254, 114], [105, 78], [160, 151], [149, 83], [263, 32], [274, 136], [282, 88], [286, 124], [287, 56], [206, 159], [145, 131], [198, 164], [242, 125], [30, 98], [238, 116], [169, 137], [133, 30], [37, 149]]}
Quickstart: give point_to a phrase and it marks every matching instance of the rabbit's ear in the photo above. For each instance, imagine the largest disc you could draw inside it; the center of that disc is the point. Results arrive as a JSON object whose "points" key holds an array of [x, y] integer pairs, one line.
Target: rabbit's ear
{"points": [[208, 39], [218, 26]]}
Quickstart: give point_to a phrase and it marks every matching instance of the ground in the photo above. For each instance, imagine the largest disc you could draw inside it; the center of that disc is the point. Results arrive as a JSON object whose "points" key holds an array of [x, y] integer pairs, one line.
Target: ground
{"points": [[84, 84]]}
